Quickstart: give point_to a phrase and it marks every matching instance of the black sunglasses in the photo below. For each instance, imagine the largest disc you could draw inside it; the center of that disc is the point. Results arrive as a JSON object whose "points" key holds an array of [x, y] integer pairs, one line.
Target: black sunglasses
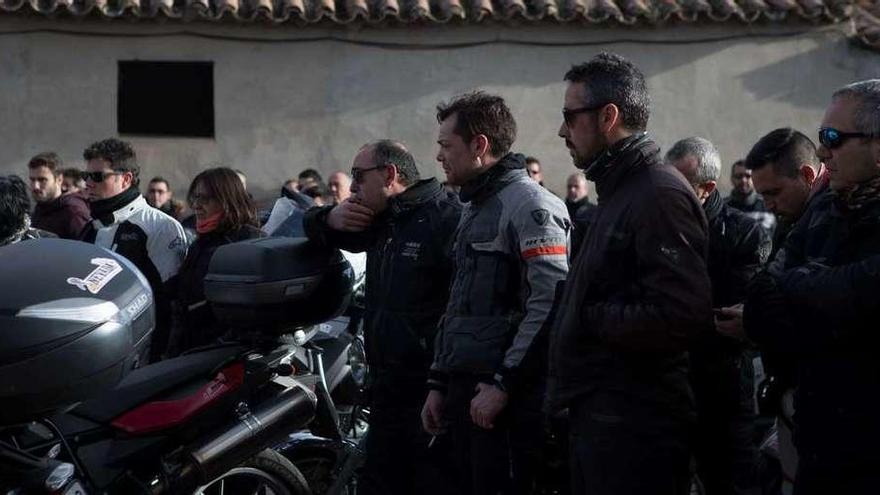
{"points": [[569, 115], [357, 174], [99, 176], [831, 138]]}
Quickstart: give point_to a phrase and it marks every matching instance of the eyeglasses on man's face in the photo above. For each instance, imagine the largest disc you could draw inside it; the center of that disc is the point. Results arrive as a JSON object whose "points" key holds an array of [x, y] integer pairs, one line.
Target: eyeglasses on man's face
{"points": [[357, 174], [99, 176], [568, 115], [831, 138]]}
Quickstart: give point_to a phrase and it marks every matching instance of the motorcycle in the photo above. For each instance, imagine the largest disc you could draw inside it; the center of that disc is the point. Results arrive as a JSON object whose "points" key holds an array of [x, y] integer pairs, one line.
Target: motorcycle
{"points": [[200, 423]]}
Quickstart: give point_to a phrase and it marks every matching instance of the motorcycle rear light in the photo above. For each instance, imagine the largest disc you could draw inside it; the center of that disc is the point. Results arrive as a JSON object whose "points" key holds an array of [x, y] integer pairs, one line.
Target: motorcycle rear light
{"points": [[162, 415]]}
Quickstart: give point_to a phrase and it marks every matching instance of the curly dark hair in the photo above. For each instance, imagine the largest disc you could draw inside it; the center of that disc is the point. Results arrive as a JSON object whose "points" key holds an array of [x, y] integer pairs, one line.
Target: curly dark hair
{"points": [[224, 186], [14, 205], [481, 113], [610, 78], [119, 153]]}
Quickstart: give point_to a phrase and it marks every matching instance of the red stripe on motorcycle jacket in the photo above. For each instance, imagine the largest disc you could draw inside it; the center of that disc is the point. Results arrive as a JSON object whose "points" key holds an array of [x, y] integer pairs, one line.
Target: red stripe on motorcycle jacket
{"points": [[544, 251], [162, 415]]}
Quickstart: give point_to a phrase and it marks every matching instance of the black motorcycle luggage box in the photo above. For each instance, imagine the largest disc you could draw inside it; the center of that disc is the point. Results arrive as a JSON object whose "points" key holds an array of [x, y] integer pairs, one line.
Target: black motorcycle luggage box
{"points": [[275, 284], [74, 320]]}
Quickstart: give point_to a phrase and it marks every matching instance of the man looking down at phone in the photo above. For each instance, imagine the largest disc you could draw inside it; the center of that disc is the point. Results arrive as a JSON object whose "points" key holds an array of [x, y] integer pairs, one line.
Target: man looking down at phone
{"points": [[406, 226], [722, 376]]}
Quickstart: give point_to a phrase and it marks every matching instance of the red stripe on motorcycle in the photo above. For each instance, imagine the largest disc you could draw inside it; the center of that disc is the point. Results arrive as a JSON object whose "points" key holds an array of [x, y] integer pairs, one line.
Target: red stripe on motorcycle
{"points": [[162, 415]]}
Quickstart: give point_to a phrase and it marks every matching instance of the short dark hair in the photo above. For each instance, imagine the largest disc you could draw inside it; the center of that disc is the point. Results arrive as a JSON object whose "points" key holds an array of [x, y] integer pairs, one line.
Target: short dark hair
{"points": [[224, 185], [318, 190], [787, 149], [530, 160], [610, 78], [387, 151], [47, 159], [311, 173], [161, 179], [481, 113], [14, 206], [119, 153]]}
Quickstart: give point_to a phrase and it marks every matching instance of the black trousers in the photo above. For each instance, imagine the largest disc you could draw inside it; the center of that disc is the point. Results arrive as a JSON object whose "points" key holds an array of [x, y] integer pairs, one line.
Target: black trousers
{"points": [[506, 460], [724, 445], [398, 460], [617, 449]]}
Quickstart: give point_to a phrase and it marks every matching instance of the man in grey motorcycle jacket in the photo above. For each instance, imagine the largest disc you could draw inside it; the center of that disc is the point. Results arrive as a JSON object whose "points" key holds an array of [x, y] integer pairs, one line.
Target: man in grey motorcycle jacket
{"points": [[487, 379]]}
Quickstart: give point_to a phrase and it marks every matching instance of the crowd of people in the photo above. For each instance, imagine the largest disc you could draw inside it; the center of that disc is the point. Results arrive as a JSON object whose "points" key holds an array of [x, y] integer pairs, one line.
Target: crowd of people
{"points": [[492, 305]]}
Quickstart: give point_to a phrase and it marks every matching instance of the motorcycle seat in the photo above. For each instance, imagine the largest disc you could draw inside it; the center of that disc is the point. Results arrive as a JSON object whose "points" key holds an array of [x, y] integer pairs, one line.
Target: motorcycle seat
{"points": [[144, 383]]}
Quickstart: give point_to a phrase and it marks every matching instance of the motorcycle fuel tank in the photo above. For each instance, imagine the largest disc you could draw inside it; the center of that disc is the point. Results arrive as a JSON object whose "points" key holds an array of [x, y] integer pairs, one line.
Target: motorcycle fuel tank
{"points": [[275, 284], [74, 320]]}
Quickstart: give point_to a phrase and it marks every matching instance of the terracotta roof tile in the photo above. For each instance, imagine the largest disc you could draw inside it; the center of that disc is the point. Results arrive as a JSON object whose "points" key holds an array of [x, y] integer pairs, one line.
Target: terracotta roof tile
{"points": [[866, 13]]}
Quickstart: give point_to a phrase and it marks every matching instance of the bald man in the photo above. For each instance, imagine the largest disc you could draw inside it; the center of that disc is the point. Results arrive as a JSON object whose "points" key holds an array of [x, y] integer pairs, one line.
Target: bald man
{"points": [[340, 186]]}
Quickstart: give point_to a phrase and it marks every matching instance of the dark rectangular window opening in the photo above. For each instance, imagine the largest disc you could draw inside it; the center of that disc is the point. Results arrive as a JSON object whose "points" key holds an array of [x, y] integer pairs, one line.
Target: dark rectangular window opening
{"points": [[166, 99]]}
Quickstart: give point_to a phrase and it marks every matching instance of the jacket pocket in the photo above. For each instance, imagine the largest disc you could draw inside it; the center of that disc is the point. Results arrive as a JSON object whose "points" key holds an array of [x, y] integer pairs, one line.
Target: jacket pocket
{"points": [[474, 344]]}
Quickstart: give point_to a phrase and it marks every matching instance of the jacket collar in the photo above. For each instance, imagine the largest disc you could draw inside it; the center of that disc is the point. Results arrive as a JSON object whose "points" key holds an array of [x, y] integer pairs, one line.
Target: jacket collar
{"points": [[508, 169], [123, 212], [419, 193], [713, 205], [744, 199], [625, 156]]}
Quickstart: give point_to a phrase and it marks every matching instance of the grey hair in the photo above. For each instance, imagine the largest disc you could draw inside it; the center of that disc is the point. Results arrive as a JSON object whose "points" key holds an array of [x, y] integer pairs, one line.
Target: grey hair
{"points": [[867, 95], [387, 151], [708, 159]]}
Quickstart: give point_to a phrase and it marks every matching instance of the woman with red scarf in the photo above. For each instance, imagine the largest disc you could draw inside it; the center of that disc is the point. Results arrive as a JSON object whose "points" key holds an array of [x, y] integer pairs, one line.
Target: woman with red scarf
{"points": [[224, 214]]}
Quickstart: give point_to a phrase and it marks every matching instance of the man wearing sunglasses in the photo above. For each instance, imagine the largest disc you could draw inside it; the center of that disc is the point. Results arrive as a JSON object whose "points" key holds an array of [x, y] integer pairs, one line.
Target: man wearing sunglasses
{"points": [[817, 304], [125, 223], [406, 226], [637, 295]]}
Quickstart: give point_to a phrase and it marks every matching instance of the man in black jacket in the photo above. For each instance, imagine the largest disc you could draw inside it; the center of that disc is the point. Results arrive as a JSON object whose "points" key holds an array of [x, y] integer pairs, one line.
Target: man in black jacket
{"points": [[721, 371], [637, 294], [406, 226], [817, 304], [745, 197]]}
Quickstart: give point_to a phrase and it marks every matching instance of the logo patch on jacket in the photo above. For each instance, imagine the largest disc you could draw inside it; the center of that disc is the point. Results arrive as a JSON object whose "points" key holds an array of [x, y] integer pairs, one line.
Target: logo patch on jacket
{"points": [[540, 216], [411, 250]]}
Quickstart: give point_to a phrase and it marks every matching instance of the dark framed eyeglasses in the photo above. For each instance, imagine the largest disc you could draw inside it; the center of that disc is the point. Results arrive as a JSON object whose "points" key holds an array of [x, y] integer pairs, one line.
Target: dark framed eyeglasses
{"points": [[568, 115], [99, 176], [357, 174], [831, 138]]}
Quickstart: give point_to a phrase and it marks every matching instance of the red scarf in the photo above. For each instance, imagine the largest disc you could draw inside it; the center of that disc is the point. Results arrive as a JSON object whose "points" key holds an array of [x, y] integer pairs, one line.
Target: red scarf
{"points": [[209, 224]]}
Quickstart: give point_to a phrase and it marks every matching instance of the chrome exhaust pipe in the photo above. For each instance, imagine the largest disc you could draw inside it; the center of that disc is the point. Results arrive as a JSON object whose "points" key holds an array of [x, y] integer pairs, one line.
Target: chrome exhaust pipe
{"points": [[253, 431]]}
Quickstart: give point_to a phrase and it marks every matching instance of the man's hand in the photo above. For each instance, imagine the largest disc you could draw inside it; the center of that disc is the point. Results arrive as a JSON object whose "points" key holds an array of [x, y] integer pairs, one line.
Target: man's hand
{"points": [[729, 322], [486, 406], [432, 413], [350, 216]]}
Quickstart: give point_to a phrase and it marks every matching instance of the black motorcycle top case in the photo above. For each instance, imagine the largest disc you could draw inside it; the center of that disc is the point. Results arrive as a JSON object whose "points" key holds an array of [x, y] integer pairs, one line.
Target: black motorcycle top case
{"points": [[275, 284], [74, 320]]}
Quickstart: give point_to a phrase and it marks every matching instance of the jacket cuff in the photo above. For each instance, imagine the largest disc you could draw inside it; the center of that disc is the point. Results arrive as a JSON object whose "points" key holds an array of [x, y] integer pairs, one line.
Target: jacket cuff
{"points": [[506, 379], [315, 223], [437, 380]]}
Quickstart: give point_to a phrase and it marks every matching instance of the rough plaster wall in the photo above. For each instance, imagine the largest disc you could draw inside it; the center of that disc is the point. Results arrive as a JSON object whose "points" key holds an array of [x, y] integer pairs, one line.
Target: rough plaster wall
{"points": [[282, 107]]}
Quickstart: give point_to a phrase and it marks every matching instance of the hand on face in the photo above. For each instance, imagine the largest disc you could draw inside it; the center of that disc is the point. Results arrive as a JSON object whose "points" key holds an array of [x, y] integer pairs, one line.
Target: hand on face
{"points": [[350, 216]]}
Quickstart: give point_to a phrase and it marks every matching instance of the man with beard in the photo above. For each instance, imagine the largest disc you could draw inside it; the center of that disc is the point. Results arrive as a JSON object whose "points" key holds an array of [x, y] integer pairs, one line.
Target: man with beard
{"points": [[487, 379], [637, 294], [721, 371], [816, 304], [125, 223], [580, 210], [65, 215], [746, 199], [406, 225]]}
